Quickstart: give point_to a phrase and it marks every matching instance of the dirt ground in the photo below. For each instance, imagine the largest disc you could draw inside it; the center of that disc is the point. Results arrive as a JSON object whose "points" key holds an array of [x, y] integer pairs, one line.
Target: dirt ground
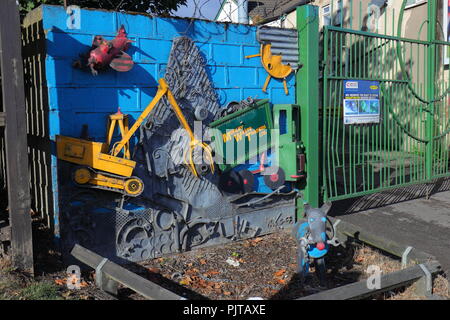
{"points": [[263, 267]]}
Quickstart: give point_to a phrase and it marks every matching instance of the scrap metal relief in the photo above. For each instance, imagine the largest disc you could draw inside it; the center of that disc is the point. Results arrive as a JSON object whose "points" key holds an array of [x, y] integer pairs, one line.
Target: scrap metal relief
{"points": [[177, 210], [279, 53]]}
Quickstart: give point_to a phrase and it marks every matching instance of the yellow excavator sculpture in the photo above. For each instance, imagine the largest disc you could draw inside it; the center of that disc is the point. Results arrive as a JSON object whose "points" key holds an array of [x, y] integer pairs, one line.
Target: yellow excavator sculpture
{"points": [[273, 65], [102, 168]]}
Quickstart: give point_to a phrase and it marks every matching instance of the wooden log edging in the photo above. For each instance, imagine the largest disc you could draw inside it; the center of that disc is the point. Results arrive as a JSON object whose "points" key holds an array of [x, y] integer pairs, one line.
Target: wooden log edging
{"points": [[111, 273], [426, 265], [360, 290], [407, 253]]}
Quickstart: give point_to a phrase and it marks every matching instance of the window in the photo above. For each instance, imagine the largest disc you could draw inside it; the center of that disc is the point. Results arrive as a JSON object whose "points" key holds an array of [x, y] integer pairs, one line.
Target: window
{"points": [[326, 14], [332, 18], [338, 19]]}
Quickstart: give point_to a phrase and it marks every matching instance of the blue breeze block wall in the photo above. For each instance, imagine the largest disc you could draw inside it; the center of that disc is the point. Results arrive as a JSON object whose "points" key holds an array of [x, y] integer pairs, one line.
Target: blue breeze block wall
{"points": [[76, 97]]}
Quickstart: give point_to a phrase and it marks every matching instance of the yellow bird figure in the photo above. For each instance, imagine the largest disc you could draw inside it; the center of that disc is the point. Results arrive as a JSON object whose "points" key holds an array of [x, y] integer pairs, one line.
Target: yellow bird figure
{"points": [[273, 65]]}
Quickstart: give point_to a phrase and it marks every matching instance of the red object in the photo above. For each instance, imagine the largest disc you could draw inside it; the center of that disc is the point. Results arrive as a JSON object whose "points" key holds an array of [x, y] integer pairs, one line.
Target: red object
{"points": [[112, 53], [320, 245], [263, 159], [261, 165]]}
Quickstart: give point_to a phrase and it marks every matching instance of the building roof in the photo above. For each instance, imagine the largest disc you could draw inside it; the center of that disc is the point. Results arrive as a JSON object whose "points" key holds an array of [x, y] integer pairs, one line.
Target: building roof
{"points": [[265, 9]]}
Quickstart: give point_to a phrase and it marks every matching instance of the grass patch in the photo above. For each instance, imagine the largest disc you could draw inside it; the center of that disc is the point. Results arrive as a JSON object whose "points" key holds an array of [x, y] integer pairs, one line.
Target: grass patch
{"points": [[40, 291], [5, 289]]}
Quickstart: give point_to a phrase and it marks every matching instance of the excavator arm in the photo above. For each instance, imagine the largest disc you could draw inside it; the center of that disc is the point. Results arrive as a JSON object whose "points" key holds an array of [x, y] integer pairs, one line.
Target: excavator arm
{"points": [[163, 89]]}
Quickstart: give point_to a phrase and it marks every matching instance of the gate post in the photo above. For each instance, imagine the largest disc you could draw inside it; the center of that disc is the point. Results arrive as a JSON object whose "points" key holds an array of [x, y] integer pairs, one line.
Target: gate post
{"points": [[431, 87], [307, 97]]}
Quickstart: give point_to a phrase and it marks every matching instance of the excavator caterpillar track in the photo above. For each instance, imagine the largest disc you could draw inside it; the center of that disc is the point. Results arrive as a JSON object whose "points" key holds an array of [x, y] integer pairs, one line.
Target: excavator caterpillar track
{"points": [[87, 177]]}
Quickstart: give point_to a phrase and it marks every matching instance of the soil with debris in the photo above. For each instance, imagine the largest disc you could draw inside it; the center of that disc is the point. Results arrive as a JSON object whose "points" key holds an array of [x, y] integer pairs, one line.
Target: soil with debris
{"points": [[264, 267]]}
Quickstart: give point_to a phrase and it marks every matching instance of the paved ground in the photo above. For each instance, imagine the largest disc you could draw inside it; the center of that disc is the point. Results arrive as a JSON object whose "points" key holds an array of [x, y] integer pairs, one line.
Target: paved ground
{"points": [[421, 223]]}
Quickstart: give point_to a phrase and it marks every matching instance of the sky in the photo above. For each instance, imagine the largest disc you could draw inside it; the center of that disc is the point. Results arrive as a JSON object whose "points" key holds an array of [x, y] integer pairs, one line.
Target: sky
{"points": [[206, 9]]}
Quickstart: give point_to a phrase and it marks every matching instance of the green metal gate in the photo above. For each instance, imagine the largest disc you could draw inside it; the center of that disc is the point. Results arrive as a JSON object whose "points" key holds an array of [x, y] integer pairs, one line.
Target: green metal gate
{"points": [[411, 142]]}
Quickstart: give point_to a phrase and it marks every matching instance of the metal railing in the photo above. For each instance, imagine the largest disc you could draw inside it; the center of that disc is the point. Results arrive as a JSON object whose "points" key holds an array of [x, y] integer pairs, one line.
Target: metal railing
{"points": [[409, 144]]}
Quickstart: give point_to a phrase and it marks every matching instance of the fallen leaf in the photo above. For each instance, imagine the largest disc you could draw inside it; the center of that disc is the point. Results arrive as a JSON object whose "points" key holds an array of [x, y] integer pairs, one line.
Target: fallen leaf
{"points": [[227, 293], [281, 281], [256, 240], [202, 261], [279, 273], [202, 283], [186, 281], [62, 282], [154, 270], [191, 271]]}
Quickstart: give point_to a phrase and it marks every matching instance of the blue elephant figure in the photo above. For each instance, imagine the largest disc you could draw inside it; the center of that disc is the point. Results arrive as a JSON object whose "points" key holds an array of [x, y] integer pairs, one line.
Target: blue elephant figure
{"points": [[313, 241]]}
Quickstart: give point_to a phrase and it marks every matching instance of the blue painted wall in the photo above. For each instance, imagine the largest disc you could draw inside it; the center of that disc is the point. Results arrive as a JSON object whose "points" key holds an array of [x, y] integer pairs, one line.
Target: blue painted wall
{"points": [[76, 97]]}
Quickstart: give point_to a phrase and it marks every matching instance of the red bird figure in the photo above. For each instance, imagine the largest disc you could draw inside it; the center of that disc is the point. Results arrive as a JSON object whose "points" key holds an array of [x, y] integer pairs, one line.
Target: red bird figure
{"points": [[112, 53]]}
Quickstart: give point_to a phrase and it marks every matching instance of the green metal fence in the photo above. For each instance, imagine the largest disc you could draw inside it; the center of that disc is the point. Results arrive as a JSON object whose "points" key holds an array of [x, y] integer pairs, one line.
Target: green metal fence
{"points": [[411, 142]]}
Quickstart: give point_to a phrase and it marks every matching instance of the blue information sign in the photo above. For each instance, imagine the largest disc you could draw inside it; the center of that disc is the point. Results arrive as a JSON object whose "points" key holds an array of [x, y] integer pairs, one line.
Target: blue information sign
{"points": [[361, 101]]}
